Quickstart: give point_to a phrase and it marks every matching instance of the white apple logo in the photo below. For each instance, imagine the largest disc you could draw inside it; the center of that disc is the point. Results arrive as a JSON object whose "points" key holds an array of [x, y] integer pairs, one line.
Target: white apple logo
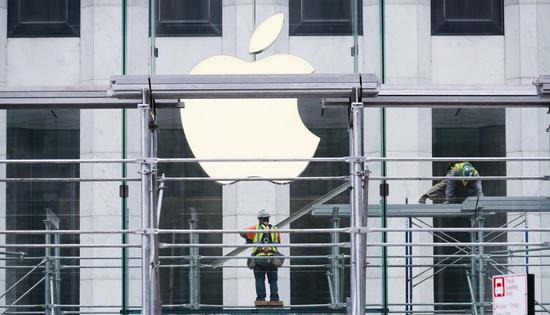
{"points": [[250, 128]]}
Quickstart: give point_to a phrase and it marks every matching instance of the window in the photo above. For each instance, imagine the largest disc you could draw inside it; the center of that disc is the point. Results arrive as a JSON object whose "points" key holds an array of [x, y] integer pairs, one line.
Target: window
{"points": [[478, 132], [38, 18], [323, 17], [189, 18], [42, 134], [467, 17]]}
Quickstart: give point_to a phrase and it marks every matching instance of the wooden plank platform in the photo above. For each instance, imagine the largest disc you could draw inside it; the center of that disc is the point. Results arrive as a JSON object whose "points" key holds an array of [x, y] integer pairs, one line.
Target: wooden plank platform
{"points": [[268, 303]]}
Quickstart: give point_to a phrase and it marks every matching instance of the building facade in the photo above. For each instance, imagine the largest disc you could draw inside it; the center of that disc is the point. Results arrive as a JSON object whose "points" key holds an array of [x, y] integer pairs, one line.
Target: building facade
{"points": [[62, 43]]}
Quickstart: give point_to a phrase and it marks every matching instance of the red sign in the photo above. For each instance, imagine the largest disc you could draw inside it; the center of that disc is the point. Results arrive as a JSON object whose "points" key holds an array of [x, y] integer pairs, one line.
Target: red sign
{"points": [[499, 287]]}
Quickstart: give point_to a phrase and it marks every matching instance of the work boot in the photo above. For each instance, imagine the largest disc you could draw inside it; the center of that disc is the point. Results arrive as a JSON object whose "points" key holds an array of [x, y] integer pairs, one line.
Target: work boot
{"points": [[422, 199]]}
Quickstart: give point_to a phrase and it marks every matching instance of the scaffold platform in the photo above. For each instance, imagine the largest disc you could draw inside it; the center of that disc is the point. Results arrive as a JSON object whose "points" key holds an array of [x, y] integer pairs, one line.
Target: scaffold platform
{"points": [[467, 208], [260, 310]]}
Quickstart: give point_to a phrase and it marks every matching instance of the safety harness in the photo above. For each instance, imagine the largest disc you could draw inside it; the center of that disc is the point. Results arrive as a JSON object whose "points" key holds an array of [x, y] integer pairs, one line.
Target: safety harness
{"points": [[271, 236]]}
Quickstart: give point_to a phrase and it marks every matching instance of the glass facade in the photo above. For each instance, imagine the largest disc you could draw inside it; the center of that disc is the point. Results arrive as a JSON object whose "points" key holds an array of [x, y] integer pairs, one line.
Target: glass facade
{"points": [[42, 134], [415, 48]]}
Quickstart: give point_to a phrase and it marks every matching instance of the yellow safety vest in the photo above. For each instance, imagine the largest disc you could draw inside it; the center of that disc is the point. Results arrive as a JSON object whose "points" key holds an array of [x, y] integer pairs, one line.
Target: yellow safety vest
{"points": [[259, 237]]}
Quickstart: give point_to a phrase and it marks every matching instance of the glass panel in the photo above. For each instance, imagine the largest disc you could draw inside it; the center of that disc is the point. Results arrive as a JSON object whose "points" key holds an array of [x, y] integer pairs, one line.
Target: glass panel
{"points": [[331, 127], [475, 133], [182, 202], [235, 206], [42, 134], [543, 67]]}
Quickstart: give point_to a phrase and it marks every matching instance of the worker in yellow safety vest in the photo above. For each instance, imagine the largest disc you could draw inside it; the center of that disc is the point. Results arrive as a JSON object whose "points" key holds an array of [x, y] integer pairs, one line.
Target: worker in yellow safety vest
{"points": [[263, 267], [473, 187], [448, 191]]}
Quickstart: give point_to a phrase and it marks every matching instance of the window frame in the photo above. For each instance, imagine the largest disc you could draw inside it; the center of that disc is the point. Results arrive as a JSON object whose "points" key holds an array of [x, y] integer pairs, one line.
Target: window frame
{"points": [[70, 27], [212, 28], [443, 26], [299, 27]]}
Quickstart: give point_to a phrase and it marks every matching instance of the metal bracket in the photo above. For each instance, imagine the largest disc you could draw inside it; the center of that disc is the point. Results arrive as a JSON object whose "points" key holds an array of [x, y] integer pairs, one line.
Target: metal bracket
{"points": [[357, 105], [147, 231], [147, 161], [361, 230], [354, 159]]}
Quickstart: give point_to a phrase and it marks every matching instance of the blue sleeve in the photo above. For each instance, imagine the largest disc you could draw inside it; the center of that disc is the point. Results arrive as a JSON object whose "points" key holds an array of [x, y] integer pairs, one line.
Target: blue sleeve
{"points": [[479, 189]]}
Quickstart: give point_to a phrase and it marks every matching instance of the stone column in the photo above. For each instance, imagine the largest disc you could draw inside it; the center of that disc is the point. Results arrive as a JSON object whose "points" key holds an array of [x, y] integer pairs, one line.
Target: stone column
{"points": [[527, 52], [407, 61], [100, 138], [525, 137], [241, 203], [137, 59], [3, 126], [3, 139], [521, 41]]}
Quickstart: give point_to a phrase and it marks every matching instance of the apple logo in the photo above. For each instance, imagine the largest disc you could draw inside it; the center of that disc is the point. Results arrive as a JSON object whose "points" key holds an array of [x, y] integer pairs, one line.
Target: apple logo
{"points": [[250, 128]]}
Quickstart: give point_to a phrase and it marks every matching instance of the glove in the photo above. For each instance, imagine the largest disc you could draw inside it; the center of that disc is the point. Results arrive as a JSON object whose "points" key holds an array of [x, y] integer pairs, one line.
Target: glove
{"points": [[248, 241], [422, 199]]}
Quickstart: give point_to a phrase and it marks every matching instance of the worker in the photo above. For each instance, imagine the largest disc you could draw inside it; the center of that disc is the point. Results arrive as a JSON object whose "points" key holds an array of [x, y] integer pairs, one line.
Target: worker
{"points": [[263, 266], [437, 192], [472, 187]]}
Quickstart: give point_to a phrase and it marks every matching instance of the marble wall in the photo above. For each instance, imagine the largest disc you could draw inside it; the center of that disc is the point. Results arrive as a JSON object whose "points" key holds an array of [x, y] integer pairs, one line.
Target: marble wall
{"points": [[527, 55], [3, 62]]}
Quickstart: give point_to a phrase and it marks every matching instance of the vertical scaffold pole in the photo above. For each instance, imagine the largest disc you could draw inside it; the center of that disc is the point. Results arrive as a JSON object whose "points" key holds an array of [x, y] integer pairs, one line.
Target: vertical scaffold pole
{"points": [[473, 264], [52, 271], [146, 203], [48, 290], [335, 258], [481, 262], [154, 212], [194, 263], [358, 240]]}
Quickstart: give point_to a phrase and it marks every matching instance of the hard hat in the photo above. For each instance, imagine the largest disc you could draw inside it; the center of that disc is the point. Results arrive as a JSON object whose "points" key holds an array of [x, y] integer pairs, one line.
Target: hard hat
{"points": [[468, 170], [263, 214]]}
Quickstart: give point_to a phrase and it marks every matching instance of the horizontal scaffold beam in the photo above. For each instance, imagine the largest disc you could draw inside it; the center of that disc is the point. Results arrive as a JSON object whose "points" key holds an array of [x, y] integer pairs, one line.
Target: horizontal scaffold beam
{"points": [[68, 97], [245, 86], [332, 89], [465, 209]]}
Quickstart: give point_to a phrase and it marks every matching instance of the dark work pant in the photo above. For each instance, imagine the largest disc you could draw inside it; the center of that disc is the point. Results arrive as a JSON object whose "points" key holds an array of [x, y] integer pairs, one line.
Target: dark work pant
{"points": [[260, 273]]}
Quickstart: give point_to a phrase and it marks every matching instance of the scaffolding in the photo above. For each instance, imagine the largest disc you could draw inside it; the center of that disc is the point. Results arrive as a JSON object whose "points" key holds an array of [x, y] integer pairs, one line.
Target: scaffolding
{"points": [[353, 92]]}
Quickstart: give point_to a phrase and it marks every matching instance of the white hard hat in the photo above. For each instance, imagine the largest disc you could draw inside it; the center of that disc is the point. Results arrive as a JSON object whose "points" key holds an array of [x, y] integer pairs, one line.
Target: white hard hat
{"points": [[263, 214]]}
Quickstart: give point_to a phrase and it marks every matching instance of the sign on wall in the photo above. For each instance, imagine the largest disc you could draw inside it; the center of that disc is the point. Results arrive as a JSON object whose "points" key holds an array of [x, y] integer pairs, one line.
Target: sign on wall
{"points": [[514, 294]]}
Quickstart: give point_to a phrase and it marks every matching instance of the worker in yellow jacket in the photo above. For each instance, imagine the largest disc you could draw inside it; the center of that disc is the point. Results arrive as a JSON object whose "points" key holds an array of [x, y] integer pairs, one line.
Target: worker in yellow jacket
{"points": [[263, 267], [473, 186]]}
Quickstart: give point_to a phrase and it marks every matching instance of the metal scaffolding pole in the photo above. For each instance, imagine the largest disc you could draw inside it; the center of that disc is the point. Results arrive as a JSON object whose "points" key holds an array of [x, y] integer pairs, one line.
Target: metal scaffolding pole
{"points": [[149, 246], [358, 211], [194, 263], [52, 271], [145, 202], [336, 263], [481, 261]]}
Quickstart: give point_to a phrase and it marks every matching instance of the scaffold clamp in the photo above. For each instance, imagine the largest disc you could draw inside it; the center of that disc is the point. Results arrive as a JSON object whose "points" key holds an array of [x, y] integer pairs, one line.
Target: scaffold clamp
{"points": [[147, 231]]}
